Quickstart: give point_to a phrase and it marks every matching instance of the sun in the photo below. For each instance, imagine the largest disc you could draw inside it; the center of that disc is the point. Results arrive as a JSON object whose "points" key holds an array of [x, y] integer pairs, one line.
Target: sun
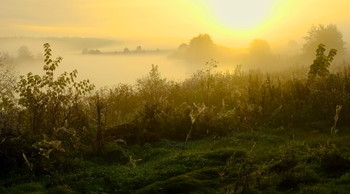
{"points": [[241, 14]]}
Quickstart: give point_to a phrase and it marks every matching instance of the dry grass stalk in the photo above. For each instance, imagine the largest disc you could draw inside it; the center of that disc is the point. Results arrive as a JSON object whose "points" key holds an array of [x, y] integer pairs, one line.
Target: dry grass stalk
{"points": [[334, 129], [29, 164], [194, 116]]}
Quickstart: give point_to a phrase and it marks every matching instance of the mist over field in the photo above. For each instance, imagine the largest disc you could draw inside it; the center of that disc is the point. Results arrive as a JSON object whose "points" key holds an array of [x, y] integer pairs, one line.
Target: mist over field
{"points": [[108, 62]]}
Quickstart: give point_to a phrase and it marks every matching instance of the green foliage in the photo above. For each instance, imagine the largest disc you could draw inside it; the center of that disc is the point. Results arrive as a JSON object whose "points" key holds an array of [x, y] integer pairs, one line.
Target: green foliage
{"points": [[8, 106], [7, 78], [99, 109], [49, 100], [11, 153], [260, 162], [152, 88], [49, 106], [235, 132], [46, 157], [322, 62]]}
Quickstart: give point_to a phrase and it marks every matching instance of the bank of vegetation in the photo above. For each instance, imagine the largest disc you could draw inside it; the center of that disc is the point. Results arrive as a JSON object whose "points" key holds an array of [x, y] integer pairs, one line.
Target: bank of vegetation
{"points": [[215, 132]]}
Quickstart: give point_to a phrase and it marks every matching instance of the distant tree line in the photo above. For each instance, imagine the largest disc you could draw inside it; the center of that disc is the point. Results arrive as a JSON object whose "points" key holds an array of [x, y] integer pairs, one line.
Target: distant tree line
{"points": [[23, 55], [126, 51], [259, 54]]}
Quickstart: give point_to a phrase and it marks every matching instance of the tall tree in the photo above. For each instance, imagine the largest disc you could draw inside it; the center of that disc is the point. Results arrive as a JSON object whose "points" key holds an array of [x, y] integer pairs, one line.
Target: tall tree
{"points": [[24, 53], [259, 47], [7, 77], [260, 55], [201, 48], [322, 62], [8, 110], [327, 35]]}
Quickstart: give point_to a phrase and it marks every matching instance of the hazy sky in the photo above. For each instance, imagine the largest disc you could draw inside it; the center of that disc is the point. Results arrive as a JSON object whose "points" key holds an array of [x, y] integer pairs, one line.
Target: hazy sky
{"points": [[229, 22]]}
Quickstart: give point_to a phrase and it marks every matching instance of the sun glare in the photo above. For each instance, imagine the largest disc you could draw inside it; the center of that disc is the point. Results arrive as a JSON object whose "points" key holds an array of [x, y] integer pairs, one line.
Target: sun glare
{"points": [[241, 14]]}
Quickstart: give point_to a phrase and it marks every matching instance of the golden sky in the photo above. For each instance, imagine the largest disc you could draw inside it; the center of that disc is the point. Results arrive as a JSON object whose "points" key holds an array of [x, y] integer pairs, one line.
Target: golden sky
{"points": [[229, 22]]}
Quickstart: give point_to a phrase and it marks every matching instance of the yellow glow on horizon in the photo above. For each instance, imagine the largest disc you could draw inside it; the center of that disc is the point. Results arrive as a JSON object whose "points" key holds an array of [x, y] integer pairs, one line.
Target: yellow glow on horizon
{"points": [[238, 21], [229, 22], [150, 18]]}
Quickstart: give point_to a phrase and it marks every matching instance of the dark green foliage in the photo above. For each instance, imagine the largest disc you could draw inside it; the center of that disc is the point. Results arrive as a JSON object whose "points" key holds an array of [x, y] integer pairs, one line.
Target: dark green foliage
{"points": [[8, 110], [245, 162], [49, 101], [193, 182], [11, 153], [322, 62], [334, 165], [41, 137]]}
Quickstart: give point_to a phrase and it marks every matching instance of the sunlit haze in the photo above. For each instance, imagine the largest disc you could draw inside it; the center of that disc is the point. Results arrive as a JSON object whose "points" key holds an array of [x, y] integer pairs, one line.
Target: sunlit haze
{"points": [[112, 26], [231, 22]]}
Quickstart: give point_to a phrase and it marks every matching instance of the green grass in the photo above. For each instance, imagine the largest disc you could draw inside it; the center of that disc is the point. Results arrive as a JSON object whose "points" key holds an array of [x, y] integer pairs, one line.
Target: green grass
{"points": [[266, 161]]}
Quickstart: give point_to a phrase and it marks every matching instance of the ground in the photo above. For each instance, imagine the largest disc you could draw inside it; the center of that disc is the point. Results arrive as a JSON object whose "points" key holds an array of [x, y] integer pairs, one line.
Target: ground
{"points": [[277, 160]]}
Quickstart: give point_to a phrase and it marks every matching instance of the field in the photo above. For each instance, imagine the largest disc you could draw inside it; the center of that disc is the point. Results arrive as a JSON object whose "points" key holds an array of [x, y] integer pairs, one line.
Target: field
{"points": [[215, 132]]}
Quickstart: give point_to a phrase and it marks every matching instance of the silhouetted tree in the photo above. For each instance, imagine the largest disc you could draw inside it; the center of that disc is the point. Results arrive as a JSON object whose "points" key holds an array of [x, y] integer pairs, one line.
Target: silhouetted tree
{"points": [[260, 54], [328, 35], [8, 110], [183, 47], [151, 88], [126, 50], [100, 117], [7, 78], [259, 47], [201, 48], [91, 51], [24, 53], [138, 49], [49, 99], [322, 62]]}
